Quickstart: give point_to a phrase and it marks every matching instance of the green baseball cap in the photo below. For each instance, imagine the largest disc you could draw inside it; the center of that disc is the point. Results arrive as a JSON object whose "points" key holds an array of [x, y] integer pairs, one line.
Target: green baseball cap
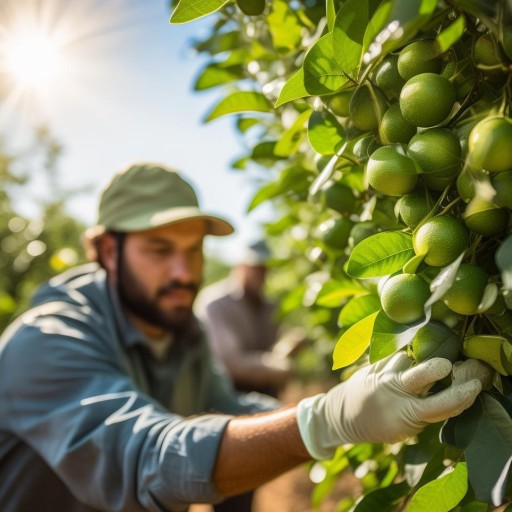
{"points": [[146, 196]]}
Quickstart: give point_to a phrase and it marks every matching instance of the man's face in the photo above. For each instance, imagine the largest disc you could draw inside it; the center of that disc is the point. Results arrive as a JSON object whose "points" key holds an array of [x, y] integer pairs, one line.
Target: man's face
{"points": [[160, 274]]}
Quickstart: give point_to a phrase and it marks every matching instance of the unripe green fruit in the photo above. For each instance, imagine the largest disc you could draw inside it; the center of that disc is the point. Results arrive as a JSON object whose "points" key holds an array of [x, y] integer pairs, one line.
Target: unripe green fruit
{"points": [[390, 172], [486, 53], [421, 56], [485, 218], [335, 233], [427, 99], [435, 340], [388, 78], [412, 208], [403, 298], [367, 106], [490, 143], [251, 7], [339, 198], [339, 102], [364, 147], [467, 290], [394, 128]]}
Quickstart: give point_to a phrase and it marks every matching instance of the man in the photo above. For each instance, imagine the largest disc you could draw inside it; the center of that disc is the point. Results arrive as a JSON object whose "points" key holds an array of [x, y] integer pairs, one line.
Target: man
{"points": [[108, 397], [241, 327]]}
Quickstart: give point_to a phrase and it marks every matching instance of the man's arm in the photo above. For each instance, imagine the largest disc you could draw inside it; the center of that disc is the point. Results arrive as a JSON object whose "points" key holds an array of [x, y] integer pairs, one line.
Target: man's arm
{"points": [[257, 449]]}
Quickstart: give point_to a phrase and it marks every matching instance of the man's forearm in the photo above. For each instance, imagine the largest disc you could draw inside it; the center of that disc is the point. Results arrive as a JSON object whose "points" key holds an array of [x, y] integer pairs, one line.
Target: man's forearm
{"points": [[256, 449]]}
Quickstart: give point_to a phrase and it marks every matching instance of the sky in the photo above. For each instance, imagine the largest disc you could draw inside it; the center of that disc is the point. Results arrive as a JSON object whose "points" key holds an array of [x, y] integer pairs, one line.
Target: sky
{"points": [[122, 92]]}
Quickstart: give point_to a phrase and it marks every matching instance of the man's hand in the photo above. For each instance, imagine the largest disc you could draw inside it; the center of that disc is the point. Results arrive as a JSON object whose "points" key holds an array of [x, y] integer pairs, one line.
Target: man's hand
{"points": [[386, 402]]}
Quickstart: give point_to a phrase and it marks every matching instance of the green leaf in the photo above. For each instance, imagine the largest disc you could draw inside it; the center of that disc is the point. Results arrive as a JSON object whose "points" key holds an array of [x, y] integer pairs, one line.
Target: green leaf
{"points": [[325, 134], [380, 254], [291, 179], [348, 35], [245, 123], [240, 101], [284, 26], [188, 10], [292, 138], [353, 342], [388, 337], [441, 494], [384, 499], [407, 17], [214, 75], [504, 262], [489, 452], [322, 74], [334, 291], [223, 42], [358, 308], [451, 34], [293, 89], [330, 14]]}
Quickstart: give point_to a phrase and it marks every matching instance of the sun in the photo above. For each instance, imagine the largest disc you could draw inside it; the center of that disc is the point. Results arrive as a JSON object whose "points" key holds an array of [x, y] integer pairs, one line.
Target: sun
{"points": [[32, 59]]}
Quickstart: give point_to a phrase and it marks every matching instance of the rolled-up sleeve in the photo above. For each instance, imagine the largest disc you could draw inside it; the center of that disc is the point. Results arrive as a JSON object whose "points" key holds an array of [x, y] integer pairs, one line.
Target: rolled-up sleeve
{"points": [[68, 397]]}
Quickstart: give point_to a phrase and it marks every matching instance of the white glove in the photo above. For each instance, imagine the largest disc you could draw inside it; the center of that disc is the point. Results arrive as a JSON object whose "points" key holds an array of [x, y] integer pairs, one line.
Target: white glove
{"points": [[383, 403]]}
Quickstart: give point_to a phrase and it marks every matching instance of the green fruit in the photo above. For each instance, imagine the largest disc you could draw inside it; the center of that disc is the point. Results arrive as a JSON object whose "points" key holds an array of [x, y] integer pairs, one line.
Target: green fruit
{"points": [[361, 231], [441, 239], [388, 78], [364, 147], [367, 106], [484, 217], [427, 99], [413, 207], [421, 56], [339, 102], [251, 7], [489, 144], [339, 198], [467, 290], [403, 298], [335, 233], [435, 340], [394, 128], [390, 172]]}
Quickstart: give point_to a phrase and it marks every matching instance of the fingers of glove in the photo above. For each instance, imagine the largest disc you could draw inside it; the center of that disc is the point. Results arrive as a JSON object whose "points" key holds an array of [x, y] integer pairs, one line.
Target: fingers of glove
{"points": [[463, 371], [398, 362], [425, 374], [449, 402]]}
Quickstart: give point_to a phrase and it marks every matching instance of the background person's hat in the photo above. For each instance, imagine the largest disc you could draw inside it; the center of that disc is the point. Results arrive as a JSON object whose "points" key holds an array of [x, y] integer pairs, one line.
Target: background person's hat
{"points": [[257, 253], [146, 196]]}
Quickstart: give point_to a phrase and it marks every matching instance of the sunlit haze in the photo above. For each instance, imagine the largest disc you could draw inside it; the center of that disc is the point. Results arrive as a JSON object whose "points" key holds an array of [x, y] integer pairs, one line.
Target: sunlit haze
{"points": [[113, 82]]}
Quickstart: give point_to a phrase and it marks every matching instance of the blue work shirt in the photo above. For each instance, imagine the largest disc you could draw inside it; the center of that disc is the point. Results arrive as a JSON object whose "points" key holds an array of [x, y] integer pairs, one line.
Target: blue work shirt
{"points": [[89, 421]]}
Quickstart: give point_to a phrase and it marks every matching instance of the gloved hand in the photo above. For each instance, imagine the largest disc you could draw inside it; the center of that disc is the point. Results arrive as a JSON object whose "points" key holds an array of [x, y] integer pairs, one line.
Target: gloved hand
{"points": [[383, 403]]}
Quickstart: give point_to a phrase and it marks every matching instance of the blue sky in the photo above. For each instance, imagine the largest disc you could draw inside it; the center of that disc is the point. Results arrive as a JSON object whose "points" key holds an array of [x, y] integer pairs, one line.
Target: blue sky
{"points": [[131, 99]]}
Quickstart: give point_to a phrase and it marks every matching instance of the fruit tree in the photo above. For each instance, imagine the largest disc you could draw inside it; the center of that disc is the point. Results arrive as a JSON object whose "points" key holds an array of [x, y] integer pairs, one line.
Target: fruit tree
{"points": [[384, 131]]}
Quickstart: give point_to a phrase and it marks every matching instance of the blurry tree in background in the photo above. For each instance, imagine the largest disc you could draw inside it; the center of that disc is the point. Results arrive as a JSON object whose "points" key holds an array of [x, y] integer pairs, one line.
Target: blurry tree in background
{"points": [[33, 248]]}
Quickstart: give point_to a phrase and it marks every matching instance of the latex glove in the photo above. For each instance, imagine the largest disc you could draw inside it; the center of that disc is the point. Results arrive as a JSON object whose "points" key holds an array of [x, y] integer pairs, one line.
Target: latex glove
{"points": [[382, 403]]}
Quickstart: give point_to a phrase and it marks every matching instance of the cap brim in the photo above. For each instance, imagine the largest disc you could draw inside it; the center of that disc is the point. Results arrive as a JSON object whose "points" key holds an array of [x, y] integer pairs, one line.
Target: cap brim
{"points": [[216, 226]]}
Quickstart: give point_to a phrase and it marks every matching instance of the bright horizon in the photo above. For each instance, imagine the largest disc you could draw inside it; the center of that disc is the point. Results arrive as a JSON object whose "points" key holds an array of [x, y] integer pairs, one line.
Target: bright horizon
{"points": [[113, 82]]}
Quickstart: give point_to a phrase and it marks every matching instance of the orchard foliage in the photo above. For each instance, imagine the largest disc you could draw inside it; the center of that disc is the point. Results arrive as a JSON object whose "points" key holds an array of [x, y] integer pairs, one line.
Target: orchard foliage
{"points": [[38, 244], [385, 134]]}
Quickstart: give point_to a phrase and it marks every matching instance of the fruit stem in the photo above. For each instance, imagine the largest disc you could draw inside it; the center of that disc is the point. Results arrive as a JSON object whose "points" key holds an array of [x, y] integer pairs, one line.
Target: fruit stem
{"points": [[449, 206]]}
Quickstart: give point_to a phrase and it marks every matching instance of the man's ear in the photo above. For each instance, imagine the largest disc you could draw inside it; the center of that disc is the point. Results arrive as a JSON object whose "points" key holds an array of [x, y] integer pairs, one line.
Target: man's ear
{"points": [[107, 252]]}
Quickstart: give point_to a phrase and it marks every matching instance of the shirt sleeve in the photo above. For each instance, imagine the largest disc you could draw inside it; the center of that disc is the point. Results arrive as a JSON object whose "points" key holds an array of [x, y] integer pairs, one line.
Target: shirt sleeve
{"points": [[67, 396]]}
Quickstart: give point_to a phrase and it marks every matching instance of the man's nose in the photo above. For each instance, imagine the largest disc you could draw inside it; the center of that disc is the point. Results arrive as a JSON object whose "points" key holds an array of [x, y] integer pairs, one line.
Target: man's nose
{"points": [[180, 268]]}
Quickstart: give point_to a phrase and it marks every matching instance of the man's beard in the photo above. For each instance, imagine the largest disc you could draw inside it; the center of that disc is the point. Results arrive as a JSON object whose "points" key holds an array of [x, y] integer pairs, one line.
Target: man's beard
{"points": [[135, 298]]}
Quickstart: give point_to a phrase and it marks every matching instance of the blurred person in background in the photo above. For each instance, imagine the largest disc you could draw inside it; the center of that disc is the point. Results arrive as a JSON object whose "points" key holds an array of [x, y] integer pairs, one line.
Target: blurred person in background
{"points": [[242, 328]]}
